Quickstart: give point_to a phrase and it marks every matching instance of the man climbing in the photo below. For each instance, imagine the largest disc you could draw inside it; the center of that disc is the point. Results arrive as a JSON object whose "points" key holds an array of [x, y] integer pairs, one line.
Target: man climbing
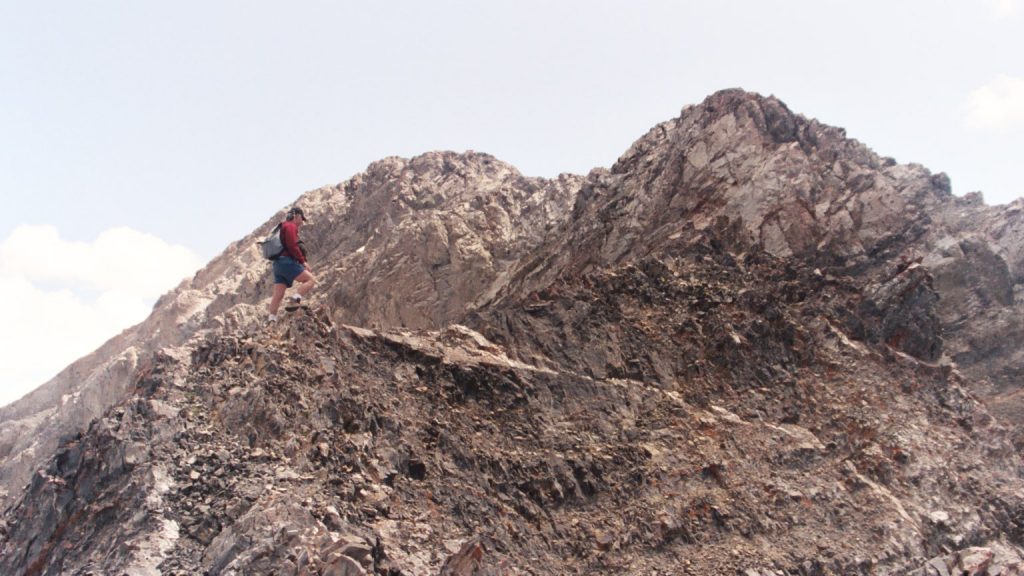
{"points": [[291, 265]]}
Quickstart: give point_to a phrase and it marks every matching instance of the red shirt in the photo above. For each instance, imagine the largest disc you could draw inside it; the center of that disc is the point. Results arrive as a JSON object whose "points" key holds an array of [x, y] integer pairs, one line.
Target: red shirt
{"points": [[290, 239]]}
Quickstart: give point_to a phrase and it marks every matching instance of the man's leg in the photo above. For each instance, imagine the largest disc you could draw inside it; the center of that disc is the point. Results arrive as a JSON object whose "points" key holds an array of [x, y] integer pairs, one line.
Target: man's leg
{"points": [[306, 282], [275, 300]]}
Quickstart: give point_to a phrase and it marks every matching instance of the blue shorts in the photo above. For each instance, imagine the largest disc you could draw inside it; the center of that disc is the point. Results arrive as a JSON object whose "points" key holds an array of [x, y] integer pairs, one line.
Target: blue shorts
{"points": [[286, 270]]}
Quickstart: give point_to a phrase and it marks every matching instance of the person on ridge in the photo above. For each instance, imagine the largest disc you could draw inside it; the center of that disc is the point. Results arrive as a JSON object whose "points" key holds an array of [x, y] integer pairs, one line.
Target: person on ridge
{"points": [[291, 265]]}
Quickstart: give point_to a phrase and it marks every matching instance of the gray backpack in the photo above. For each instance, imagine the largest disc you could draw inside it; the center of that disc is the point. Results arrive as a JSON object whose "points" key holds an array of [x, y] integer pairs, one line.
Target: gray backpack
{"points": [[272, 246]]}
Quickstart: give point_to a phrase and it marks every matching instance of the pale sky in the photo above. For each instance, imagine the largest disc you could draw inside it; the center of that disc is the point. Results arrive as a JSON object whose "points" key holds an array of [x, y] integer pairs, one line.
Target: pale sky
{"points": [[139, 138]]}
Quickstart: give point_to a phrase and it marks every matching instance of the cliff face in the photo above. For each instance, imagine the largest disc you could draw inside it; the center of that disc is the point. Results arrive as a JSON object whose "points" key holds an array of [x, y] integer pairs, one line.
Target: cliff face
{"points": [[751, 346]]}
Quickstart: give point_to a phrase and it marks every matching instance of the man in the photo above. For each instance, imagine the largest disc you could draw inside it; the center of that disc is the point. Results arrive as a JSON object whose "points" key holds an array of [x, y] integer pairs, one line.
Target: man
{"points": [[291, 265]]}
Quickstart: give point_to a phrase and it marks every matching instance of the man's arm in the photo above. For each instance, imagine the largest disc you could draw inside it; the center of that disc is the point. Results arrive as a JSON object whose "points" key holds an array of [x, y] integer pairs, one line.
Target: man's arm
{"points": [[290, 238]]}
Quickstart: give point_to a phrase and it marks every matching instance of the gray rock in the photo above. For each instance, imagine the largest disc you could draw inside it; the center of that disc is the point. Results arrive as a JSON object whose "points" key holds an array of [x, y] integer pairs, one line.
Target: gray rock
{"points": [[342, 565], [358, 551], [939, 567], [974, 561], [468, 561]]}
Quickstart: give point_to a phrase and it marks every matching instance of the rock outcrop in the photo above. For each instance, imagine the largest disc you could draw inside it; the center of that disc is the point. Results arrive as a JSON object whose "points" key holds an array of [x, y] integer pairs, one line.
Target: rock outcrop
{"points": [[750, 347]]}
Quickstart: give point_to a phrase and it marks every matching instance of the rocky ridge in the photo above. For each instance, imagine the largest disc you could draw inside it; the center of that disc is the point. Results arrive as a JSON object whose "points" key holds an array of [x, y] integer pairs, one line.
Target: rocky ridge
{"points": [[440, 225], [751, 347]]}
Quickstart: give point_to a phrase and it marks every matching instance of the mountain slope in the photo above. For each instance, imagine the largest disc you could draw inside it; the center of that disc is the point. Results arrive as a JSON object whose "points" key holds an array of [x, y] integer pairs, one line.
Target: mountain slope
{"points": [[408, 242], [751, 346]]}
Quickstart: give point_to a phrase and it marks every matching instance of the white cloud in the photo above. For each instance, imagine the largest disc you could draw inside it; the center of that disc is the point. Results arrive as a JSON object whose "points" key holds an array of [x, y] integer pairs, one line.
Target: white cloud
{"points": [[996, 106], [119, 259], [64, 299]]}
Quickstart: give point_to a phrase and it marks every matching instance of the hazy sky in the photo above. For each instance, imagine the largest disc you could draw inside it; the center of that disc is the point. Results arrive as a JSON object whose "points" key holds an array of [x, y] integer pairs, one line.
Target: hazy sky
{"points": [[138, 138]]}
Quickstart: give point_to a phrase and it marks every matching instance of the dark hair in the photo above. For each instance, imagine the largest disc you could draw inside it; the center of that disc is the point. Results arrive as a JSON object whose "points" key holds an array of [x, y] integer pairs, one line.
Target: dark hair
{"points": [[293, 212]]}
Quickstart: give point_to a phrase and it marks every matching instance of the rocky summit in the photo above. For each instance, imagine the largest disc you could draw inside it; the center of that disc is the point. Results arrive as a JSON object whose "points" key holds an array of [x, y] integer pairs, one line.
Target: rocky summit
{"points": [[751, 347]]}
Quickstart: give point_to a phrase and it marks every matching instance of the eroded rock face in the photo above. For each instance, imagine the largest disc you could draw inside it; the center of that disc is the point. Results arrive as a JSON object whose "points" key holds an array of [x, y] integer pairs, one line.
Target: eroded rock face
{"points": [[425, 238], [746, 172], [902, 312], [752, 346]]}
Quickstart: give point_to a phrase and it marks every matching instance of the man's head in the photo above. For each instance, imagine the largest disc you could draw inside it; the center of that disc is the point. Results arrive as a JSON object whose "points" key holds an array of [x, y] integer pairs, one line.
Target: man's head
{"points": [[296, 214]]}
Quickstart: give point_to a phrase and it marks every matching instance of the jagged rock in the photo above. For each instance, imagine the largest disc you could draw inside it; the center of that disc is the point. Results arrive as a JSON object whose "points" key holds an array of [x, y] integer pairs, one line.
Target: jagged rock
{"points": [[342, 565], [902, 313], [468, 561], [974, 561], [357, 551], [996, 559], [751, 345], [332, 518], [938, 567]]}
